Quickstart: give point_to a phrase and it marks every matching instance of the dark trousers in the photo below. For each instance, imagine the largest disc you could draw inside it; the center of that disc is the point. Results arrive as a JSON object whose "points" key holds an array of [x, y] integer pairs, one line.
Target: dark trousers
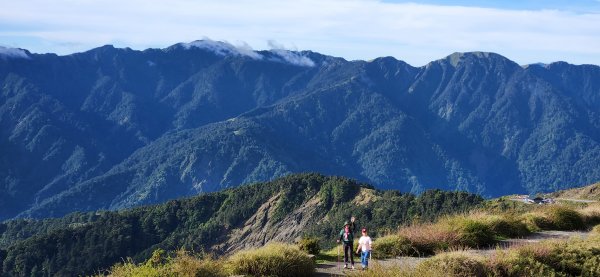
{"points": [[348, 253]]}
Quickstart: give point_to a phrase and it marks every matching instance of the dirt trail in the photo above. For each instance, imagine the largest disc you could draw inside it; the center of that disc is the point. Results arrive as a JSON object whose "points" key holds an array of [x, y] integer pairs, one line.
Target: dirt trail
{"points": [[335, 269]]}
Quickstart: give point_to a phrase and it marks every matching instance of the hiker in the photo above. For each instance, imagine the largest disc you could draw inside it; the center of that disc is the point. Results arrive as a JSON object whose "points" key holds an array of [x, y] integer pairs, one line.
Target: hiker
{"points": [[347, 239], [364, 245]]}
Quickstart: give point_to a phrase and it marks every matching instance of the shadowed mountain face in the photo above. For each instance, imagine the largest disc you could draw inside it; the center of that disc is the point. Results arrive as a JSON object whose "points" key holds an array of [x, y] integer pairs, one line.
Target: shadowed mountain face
{"points": [[113, 128]]}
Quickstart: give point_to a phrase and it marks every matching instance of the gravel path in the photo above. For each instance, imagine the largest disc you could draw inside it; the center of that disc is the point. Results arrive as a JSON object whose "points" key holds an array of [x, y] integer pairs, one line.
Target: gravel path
{"points": [[335, 269]]}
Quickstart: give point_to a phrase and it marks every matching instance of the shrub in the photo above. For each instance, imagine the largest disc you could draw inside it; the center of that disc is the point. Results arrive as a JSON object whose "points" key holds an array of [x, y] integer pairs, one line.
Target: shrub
{"points": [[454, 264], [570, 257], [427, 239], [182, 265], [274, 259], [537, 221], [564, 218], [186, 265], [392, 246], [591, 215], [130, 269], [472, 232], [596, 230], [309, 245], [591, 267], [563, 257], [517, 265], [507, 226]]}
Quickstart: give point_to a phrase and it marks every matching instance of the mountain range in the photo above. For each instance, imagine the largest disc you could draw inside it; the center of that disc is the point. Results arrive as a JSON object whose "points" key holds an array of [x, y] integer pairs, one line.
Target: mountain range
{"points": [[113, 128]]}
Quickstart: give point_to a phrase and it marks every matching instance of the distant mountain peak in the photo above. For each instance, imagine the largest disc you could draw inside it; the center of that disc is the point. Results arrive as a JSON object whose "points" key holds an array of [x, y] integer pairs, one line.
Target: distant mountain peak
{"points": [[18, 53], [223, 48], [457, 57]]}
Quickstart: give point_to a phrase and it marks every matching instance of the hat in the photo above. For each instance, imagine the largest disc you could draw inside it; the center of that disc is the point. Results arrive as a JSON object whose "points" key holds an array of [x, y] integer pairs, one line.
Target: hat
{"points": [[346, 223], [364, 230]]}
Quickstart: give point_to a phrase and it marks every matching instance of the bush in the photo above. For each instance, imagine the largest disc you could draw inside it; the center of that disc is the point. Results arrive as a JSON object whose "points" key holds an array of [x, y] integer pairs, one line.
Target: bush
{"points": [[564, 218], [591, 215], [186, 265], [596, 230], [591, 267], [427, 239], [309, 245], [536, 222], [392, 246], [472, 233], [454, 264], [274, 259], [130, 269], [182, 265], [570, 257], [507, 227], [563, 257], [517, 265]]}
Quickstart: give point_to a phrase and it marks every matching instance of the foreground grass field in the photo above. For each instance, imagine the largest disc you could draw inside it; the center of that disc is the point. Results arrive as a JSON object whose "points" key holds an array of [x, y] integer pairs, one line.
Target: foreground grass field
{"points": [[575, 257], [482, 228]]}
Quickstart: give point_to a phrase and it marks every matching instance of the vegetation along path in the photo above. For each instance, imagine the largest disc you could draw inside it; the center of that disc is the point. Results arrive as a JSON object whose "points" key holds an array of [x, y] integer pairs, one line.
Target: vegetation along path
{"points": [[329, 268]]}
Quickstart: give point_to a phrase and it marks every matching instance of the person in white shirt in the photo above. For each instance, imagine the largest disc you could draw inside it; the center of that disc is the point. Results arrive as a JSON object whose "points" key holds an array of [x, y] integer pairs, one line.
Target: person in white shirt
{"points": [[364, 244]]}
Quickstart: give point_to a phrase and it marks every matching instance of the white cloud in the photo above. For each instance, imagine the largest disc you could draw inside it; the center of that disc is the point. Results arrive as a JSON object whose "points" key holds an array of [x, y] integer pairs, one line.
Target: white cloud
{"points": [[223, 48], [354, 29], [292, 57], [13, 53]]}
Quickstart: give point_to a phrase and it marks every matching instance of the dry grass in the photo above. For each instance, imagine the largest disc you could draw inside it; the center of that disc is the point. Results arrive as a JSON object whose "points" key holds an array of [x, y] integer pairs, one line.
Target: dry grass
{"points": [[274, 259], [587, 192], [427, 239], [537, 221], [392, 246], [183, 264], [377, 270], [591, 214], [186, 265], [596, 230], [457, 264]]}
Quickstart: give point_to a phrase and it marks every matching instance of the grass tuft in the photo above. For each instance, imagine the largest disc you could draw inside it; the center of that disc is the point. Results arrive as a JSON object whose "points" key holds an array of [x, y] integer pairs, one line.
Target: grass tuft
{"points": [[392, 246], [564, 218], [274, 259], [455, 264]]}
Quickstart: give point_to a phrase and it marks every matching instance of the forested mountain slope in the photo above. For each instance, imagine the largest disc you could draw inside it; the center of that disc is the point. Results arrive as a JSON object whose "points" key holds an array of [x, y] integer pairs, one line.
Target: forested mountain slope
{"points": [[221, 222], [113, 128]]}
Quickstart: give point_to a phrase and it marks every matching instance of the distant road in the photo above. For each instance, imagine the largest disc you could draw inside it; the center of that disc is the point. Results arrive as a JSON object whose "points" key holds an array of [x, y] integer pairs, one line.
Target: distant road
{"points": [[576, 200], [558, 199]]}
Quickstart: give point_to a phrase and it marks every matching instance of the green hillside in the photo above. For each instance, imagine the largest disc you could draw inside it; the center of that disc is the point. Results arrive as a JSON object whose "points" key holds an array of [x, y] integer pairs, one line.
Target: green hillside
{"points": [[221, 222]]}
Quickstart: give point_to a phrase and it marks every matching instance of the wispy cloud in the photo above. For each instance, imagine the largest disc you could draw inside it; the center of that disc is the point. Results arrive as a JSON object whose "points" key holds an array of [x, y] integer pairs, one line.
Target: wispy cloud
{"points": [[223, 48], [292, 57], [358, 29], [6, 52]]}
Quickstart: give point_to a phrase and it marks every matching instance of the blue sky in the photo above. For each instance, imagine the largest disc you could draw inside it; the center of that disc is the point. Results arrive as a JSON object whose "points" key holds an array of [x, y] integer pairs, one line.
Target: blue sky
{"points": [[583, 6], [417, 32]]}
